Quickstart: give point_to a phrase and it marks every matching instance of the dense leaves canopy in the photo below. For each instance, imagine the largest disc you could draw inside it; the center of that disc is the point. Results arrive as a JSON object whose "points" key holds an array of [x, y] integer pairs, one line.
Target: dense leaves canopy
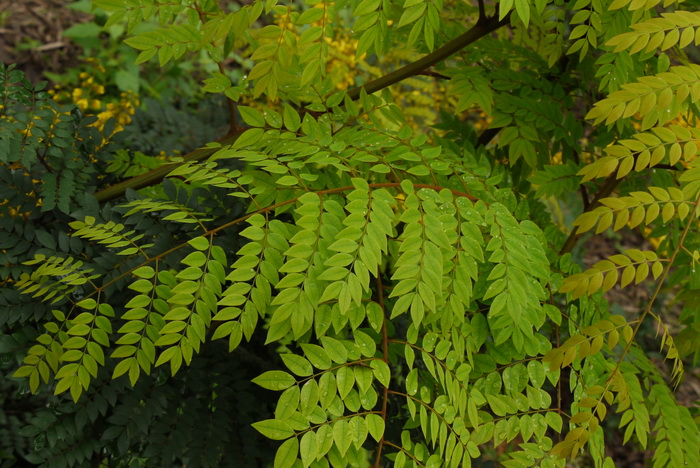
{"points": [[372, 267]]}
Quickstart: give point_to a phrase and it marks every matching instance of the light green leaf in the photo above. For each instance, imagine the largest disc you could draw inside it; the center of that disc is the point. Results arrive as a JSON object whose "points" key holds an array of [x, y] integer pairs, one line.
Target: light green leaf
{"points": [[299, 365], [522, 8], [308, 447], [287, 453], [381, 371], [251, 116], [375, 426], [275, 380], [335, 349], [274, 429], [411, 14], [291, 118]]}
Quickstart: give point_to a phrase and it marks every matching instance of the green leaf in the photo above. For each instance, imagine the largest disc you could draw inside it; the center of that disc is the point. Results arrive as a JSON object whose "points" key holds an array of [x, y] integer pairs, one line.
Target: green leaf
{"points": [[310, 16], [365, 343], [317, 355], [199, 243], [522, 8], [411, 14], [381, 371], [345, 379], [335, 349], [249, 138], [274, 380], [375, 426], [288, 403], [287, 453], [195, 259], [291, 118], [274, 429], [252, 117], [297, 364], [308, 448], [367, 6]]}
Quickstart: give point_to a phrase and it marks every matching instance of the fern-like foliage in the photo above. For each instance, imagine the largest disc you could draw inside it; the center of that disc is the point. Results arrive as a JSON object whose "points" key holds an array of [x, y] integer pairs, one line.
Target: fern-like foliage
{"points": [[413, 300]]}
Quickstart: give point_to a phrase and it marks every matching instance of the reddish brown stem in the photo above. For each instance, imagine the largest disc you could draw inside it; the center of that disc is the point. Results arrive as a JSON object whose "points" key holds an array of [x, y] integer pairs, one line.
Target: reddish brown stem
{"points": [[482, 28], [269, 209], [385, 354]]}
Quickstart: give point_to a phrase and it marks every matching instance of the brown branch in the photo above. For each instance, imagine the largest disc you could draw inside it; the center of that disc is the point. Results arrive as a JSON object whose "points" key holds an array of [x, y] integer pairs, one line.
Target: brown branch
{"points": [[665, 166], [482, 11], [584, 196], [605, 189], [582, 187], [154, 176], [479, 30], [486, 136], [231, 105], [157, 174], [434, 74], [269, 209]]}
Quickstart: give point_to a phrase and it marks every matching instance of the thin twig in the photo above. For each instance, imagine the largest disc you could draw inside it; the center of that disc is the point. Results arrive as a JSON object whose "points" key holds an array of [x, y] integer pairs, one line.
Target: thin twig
{"points": [[272, 208], [647, 310], [50, 46], [385, 358], [582, 187], [665, 166]]}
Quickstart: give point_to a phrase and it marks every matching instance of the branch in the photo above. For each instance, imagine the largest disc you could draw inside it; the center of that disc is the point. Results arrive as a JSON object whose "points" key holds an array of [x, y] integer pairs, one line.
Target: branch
{"points": [[606, 189], [272, 208], [665, 166], [487, 135], [479, 30], [584, 196], [385, 357], [582, 187], [482, 11], [231, 105], [655, 295], [434, 74], [154, 176]]}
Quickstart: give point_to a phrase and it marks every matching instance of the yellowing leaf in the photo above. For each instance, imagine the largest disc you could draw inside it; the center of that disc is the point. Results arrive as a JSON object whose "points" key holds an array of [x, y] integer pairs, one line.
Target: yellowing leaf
{"points": [[627, 276]]}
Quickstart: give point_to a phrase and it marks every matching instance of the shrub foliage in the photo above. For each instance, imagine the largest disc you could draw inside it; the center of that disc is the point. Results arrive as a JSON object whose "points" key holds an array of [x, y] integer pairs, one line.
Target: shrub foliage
{"points": [[398, 280]]}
